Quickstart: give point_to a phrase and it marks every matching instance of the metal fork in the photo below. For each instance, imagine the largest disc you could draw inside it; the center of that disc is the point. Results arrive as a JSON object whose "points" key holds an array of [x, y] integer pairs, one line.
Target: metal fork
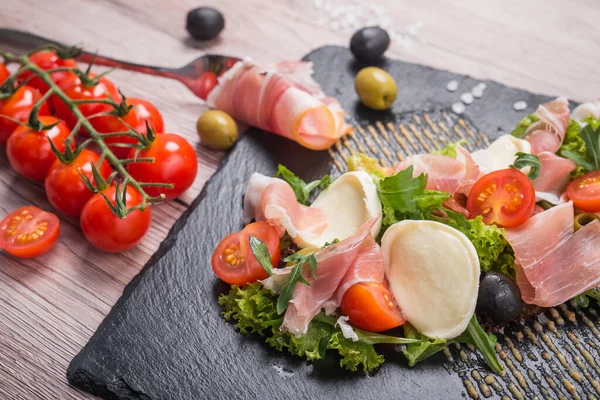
{"points": [[191, 75]]}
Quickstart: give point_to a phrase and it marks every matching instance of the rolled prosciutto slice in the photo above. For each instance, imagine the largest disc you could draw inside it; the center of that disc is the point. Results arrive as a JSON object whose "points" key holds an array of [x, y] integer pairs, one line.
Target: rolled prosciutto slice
{"points": [[284, 100], [555, 263], [549, 132]]}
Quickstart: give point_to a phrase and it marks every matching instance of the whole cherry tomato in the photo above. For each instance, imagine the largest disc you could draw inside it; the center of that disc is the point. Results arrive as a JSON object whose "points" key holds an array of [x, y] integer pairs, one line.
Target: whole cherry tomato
{"points": [[233, 260], [29, 151], [585, 191], [175, 162], [74, 88], [4, 74], [18, 107], [46, 60], [205, 84], [108, 232], [371, 306], [143, 111], [65, 188], [29, 232]]}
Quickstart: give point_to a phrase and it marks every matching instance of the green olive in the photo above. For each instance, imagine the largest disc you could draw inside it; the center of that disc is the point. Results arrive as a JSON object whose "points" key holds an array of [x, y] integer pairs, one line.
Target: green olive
{"points": [[583, 219], [217, 130], [375, 88]]}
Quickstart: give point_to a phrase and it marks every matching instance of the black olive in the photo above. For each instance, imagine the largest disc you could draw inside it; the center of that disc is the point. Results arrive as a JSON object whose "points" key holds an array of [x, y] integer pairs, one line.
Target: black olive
{"points": [[205, 23], [369, 44], [499, 298]]}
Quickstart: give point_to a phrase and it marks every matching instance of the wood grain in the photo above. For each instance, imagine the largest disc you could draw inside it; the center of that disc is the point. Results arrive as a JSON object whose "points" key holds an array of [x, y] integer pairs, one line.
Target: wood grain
{"points": [[50, 306]]}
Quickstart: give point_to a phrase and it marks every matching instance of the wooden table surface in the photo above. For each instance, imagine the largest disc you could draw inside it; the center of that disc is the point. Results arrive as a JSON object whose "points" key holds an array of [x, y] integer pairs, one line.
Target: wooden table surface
{"points": [[50, 306]]}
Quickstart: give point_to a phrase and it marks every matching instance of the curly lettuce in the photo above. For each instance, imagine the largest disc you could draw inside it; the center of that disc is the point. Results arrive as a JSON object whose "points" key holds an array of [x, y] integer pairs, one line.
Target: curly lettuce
{"points": [[450, 149], [362, 162], [523, 125]]}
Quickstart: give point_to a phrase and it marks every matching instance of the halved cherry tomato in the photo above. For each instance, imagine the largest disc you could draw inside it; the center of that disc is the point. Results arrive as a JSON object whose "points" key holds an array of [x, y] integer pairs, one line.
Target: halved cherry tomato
{"points": [[18, 107], [64, 187], [585, 191], [143, 111], [505, 198], [371, 306], [205, 84], [108, 232], [29, 151], [29, 232], [233, 261], [46, 60], [72, 86], [4, 73]]}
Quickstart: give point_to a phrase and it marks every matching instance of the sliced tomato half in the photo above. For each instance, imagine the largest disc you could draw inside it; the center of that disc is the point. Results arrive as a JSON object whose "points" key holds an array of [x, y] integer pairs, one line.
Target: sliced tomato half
{"points": [[371, 306], [233, 261], [505, 198], [29, 232], [585, 191]]}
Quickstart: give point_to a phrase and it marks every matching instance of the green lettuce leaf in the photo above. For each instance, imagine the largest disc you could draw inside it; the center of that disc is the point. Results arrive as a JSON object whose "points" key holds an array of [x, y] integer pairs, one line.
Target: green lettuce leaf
{"points": [[417, 352], [581, 146], [302, 190], [505, 264], [522, 126], [450, 149], [362, 162]]}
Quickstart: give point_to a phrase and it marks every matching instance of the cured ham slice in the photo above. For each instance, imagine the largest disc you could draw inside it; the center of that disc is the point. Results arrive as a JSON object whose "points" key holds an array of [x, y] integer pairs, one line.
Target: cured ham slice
{"points": [[332, 264], [554, 177], [555, 264], [252, 204], [549, 132], [283, 100]]}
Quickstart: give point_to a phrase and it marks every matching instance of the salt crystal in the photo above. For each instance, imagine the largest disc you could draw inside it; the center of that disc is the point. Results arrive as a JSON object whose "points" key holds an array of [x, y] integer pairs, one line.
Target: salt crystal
{"points": [[520, 105], [452, 86], [283, 372], [477, 91], [458, 108], [466, 98]]}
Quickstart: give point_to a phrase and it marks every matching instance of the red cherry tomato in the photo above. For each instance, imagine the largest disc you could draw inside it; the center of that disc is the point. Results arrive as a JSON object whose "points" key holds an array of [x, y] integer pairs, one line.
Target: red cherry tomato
{"points": [[29, 232], [19, 106], [143, 111], [175, 162], [72, 86], [585, 191], [233, 261], [205, 84], [371, 306], [505, 198], [46, 60], [64, 187], [29, 151], [108, 232], [4, 73]]}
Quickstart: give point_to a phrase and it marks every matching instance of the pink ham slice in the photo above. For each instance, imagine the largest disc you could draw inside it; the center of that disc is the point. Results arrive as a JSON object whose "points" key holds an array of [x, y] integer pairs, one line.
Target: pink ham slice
{"points": [[554, 177], [549, 132], [284, 100], [555, 264]]}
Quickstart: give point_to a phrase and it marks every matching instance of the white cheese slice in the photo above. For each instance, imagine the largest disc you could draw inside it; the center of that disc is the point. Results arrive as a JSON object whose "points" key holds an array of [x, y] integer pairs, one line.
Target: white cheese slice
{"points": [[590, 109], [501, 154], [349, 202], [433, 273]]}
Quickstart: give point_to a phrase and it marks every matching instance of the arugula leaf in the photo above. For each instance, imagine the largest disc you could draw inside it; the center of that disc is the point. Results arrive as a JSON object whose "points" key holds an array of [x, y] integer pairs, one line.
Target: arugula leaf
{"points": [[483, 342], [581, 146], [417, 352], [302, 190], [578, 159], [261, 253], [523, 125], [590, 137], [528, 160], [295, 276], [450, 149]]}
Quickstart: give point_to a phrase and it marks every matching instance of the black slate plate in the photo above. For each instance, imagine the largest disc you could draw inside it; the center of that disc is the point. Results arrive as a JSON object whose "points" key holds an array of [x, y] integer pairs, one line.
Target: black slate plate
{"points": [[165, 338]]}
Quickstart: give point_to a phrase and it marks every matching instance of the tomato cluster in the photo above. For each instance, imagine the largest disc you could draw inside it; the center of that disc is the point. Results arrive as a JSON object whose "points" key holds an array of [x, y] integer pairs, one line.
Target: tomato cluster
{"points": [[29, 232]]}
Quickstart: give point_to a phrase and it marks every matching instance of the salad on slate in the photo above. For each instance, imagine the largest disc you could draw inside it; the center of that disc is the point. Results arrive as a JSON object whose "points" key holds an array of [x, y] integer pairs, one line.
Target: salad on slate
{"points": [[413, 254]]}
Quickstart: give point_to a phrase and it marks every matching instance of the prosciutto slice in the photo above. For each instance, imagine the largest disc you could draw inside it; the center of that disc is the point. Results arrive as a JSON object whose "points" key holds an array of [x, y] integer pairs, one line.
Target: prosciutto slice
{"points": [[284, 100], [554, 177], [554, 263], [549, 132]]}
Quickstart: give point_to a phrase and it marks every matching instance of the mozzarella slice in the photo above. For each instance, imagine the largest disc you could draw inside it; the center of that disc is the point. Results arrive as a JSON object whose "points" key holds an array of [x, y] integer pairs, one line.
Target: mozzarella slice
{"points": [[501, 153], [433, 273], [349, 202], [590, 109]]}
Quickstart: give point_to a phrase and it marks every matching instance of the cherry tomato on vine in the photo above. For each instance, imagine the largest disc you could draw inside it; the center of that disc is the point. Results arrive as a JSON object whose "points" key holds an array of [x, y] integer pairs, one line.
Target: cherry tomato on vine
{"points": [[233, 261], [4, 74], [64, 187], [585, 191], [29, 151], [505, 198], [143, 111], [108, 232], [74, 88], [18, 107], [371, 306], [175, 162], [46, 60], [205, 84], [29, 232]]}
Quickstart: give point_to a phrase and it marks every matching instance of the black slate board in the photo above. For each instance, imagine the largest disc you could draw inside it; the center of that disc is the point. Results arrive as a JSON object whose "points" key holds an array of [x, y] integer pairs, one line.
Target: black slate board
{"points": [[165, 338]]}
